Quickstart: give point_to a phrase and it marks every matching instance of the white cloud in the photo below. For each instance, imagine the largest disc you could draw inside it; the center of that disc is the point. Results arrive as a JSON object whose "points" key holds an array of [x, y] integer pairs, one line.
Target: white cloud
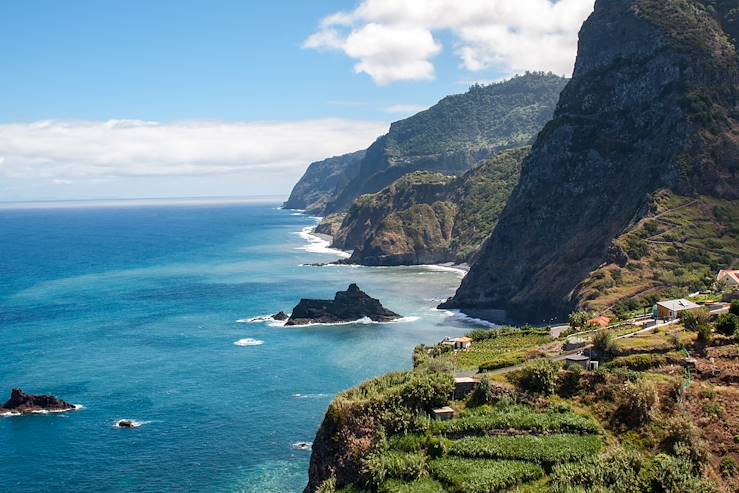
{"points": [[65, 151], [393, 40], [404, 108]]}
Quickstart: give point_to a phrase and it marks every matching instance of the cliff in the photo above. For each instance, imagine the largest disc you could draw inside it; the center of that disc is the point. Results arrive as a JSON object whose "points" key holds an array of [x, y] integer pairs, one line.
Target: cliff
{"points": [[651, 109], [430, 218], [322, 181], [456, 134]]}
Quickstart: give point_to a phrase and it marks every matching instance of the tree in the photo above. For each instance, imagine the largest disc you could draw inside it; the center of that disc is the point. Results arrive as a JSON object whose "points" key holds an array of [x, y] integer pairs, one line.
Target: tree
{"points": [[604, 344], [637, 403], [727, 324], [579, 320], [540, 377], [692, 319]]}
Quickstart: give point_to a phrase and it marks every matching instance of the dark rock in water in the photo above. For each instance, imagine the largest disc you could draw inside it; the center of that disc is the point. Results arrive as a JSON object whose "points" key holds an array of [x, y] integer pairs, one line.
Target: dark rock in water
{"points": [[126, 423], [280, 316], [347, 306], [23, 403]]}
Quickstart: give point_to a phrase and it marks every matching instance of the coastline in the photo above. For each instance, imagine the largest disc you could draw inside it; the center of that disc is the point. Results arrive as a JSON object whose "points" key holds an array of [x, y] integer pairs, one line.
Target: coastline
{"points": [[321, 243]]}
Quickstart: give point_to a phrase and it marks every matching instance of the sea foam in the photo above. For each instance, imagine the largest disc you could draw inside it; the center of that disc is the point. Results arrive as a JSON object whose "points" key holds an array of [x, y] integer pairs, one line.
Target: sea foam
{"points": [[248, 342], [317, 244]]}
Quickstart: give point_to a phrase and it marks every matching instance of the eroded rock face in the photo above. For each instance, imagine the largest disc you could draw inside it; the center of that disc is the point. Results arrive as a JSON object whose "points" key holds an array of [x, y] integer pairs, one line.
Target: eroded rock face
{"points": [[347, 306], [23, 403], [651, 106]]}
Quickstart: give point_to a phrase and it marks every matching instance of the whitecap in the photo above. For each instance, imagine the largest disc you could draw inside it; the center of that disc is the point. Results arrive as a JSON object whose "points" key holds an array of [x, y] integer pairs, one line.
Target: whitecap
{"points": [[467, 320], [134, 423], [360, 321], [311, 396], [317, 244], [248, 342], [255, 320], [9, 414]]}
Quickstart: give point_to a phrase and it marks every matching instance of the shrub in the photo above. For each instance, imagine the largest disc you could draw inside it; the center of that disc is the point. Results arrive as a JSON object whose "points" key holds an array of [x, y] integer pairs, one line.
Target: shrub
{"points": [[680, 434], [539, 377], [490, 392], [728, 467], [604, 344], [392, 464], [705, 335], [569, 382], [483, 476], [550, 449], [670, 473], [578, 320], [693, 319], [734, 308], [636, 403], [727, 324]]}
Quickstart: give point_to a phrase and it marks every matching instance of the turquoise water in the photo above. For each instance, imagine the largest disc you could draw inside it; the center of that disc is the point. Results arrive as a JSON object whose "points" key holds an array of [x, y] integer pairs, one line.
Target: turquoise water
{"points": [[132, 312]]}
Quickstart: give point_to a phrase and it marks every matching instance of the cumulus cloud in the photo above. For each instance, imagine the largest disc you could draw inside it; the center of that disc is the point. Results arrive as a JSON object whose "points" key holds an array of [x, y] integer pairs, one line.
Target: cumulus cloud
{"points": [[62, 152], [393, 40]]}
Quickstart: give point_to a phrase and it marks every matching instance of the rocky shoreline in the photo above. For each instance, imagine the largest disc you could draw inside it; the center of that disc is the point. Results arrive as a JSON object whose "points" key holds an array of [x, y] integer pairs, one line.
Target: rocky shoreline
{"points": [[21, 403]]}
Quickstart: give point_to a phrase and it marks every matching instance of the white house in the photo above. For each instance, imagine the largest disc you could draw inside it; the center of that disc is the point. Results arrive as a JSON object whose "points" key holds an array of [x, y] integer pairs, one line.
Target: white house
{"points": [[730, 277], [670, 309]]}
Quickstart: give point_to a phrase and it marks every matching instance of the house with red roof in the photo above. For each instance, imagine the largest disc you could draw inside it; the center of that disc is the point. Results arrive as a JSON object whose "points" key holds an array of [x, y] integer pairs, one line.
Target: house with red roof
{"points": [[730, 277]]}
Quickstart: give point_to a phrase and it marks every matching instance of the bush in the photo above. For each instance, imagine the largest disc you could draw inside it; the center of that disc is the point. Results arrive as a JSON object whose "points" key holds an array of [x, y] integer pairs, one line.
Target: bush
{"points": [[550, 449], [637, 403], [728, 467], [673, 474], [539, 377], [727, 324], [680, 434], [604, 344], [490, 392], [693, 319], [705, 335], [391, 464], [569, 382], [483, 476], [734, 308]]}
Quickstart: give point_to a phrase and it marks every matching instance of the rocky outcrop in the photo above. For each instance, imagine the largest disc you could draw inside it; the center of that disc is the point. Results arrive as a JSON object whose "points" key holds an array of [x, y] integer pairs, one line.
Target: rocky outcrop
{"points": [[427, 217], [23, 403], [456, 134], [322, 182], [651, 106], [280, 316], [330, 225], [347, 306]]}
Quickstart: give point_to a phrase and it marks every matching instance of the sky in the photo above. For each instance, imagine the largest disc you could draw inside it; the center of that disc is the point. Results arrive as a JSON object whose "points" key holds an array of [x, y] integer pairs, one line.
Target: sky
{"points": [[180, 98]]}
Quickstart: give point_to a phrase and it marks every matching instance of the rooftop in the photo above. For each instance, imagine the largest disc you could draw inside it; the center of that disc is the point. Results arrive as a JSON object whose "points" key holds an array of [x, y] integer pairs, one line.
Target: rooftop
{"points": [[678, 305], [465, 380]]}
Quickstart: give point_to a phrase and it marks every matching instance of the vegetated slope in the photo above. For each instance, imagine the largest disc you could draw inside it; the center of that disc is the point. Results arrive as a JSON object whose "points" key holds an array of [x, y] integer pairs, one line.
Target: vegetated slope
{"points": [[457, 133], [651, 106], [322, 181], [428, 217]]}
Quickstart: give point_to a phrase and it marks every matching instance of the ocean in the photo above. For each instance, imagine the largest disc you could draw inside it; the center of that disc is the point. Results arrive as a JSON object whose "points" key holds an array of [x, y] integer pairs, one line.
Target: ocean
{"points": [[142, 311]]}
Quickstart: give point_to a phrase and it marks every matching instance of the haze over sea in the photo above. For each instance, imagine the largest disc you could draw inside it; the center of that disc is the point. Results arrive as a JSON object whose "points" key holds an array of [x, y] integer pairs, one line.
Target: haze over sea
{"points": [[131, 310]]}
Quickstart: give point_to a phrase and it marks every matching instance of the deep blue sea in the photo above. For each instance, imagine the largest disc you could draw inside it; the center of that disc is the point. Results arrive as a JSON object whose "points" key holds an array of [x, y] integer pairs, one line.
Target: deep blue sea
{"points": [[133, 313]]}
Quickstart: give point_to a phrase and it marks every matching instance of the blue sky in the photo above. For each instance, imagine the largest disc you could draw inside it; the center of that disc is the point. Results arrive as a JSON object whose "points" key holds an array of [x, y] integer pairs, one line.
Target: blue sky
{"points": [[230, 96]]}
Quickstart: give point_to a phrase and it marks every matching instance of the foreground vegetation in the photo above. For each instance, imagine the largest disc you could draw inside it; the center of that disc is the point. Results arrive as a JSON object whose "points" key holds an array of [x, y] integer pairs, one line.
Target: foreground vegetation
{"points": [[643, 422]]}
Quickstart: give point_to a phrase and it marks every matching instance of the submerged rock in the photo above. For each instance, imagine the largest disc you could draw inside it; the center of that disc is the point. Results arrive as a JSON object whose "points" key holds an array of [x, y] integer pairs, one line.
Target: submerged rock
{"points": [[23, 403], [347, 306]]}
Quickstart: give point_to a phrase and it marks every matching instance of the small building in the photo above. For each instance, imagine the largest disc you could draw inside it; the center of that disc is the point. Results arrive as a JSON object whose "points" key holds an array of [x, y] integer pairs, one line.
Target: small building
{"points": [[730, 277], [464, 386], [457, 343], [601, 322], [670, 310], [443, 413], [577, 360]]}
